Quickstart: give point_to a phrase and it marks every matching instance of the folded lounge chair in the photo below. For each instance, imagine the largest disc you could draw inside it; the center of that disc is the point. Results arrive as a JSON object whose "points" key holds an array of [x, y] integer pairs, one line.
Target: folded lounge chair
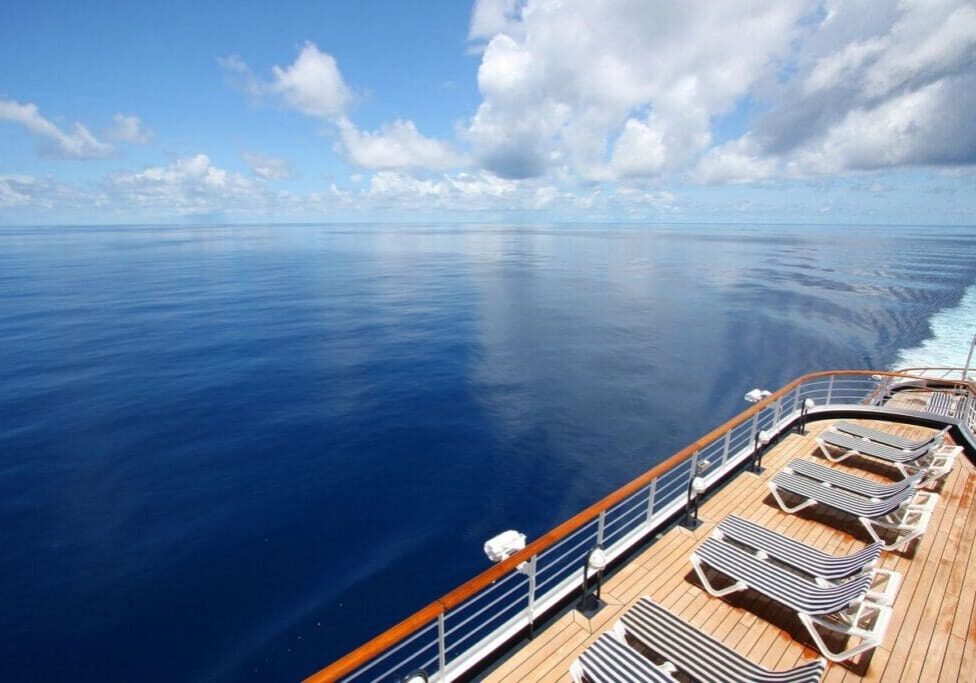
{"points": [[941, 403], [822, 568], [700, 656], [884, 437], [936, 458], [610, 660], [840, 608], [896, 513]]}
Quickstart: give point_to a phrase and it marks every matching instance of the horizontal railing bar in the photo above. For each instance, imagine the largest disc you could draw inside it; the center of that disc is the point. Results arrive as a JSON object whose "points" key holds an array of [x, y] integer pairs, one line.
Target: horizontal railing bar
{"points": [[386, 674], [490, 604], [568, 538], [630, 516], [636, 502], [400, 646], [486, 593], [496, 615], [556, 559]]}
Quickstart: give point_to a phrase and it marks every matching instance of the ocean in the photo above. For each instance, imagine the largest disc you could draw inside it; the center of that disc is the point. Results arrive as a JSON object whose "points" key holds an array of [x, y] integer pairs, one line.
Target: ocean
{"points": [[235, 453]]}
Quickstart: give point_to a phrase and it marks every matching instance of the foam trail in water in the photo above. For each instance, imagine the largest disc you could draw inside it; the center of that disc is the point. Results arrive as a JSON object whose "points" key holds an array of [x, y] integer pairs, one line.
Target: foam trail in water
{"points": [[952, 333]]}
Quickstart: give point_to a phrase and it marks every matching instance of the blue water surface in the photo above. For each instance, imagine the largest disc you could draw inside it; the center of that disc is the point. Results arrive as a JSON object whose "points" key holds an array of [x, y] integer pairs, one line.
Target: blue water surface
{"points": [[235, 453]]}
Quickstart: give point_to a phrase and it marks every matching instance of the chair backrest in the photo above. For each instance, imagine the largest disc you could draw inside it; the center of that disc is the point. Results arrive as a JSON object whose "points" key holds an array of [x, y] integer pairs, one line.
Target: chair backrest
{"points": [[781, 585], [839, 499]]}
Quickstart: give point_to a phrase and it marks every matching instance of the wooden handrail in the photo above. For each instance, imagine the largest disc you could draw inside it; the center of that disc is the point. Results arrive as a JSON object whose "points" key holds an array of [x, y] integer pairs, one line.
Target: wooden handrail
{"points": [[379, 644], [364, 653]]}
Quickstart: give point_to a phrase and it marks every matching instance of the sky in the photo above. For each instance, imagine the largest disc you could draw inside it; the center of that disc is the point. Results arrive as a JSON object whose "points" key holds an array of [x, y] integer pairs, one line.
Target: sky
{"points": [[502, 110]]}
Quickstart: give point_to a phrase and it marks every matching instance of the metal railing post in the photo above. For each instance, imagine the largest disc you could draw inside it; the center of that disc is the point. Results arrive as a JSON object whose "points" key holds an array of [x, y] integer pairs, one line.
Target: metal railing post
{"points": [[777, 408], [883, 389], [441, 648], [755, 427], [830, 389], [725, 446], [531, 572], [651, 494], [600, 525]]}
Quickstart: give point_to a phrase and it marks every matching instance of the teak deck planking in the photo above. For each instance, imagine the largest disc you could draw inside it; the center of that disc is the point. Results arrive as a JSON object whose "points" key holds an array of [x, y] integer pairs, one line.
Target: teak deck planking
{"points": [[932, 633]]}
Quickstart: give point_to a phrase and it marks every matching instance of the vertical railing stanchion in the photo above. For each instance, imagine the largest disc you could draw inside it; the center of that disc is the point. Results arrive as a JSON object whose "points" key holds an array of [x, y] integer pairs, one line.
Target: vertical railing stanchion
{"points": [[830, 389], [651, 494], [531, 571], [755, 428], [441, 649], [777, 407], [796, 397], [725, 446], [600, 526]]}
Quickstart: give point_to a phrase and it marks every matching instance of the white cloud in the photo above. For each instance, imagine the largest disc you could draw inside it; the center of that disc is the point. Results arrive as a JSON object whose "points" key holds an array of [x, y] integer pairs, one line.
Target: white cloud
{"points": [[188, 185], [640, 150], [53, 142], [314, 86], [129, 129], [267, 167], [26, 193], [930, 125], [736, 161], [311, 85], [395, 146], [491, 17], [876, 85], [474, 191], [564, 83], [617, 89]]}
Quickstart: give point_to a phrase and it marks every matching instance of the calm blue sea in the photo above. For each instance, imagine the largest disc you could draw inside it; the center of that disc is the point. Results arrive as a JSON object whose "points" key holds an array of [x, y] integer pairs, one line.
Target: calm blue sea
{"points": [[234, 453]]}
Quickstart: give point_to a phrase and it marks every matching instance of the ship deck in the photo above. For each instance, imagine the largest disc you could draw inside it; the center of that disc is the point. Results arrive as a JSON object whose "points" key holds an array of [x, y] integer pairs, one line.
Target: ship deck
{"points": [[932, 633]]}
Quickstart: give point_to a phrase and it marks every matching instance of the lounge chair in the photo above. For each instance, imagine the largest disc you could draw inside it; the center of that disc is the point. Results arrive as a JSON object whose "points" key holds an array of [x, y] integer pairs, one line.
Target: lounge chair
{"points": [[610, 660], [821, 567], [827, 476], [839, 608], [698, 655], [936, 458], [884, 437], [893, 514]]}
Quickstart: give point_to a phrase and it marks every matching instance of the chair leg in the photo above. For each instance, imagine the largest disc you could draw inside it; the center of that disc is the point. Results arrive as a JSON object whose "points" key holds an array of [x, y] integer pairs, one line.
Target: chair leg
{"points": [[884, 587], [782, 503], [717, 592], [833, 458], [869, 638], [900, 542]]}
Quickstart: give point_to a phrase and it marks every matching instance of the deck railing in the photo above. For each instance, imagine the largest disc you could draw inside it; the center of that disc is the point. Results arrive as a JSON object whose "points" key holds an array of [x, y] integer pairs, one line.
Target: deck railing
{"points": [[453, 634], [934, 373]]}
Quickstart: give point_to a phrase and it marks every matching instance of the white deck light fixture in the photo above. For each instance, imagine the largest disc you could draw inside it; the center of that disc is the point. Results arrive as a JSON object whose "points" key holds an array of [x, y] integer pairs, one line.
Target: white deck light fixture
{"points": [[762, 440], [808, 405], [756, 395], [596, 562], [696, 488], [504, 545]]}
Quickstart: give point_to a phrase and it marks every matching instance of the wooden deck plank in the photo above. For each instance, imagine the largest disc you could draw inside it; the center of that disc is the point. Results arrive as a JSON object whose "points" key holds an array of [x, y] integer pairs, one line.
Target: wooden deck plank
{"points": [[932, 634]]}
